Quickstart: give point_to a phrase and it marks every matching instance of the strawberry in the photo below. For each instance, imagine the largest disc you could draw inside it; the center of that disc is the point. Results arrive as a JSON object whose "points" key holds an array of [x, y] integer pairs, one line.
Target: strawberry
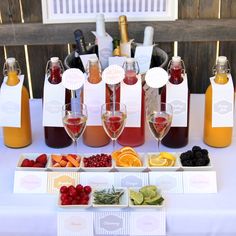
{"points": [[38, 164], [25, 163], [42, 159], [31, 163]]}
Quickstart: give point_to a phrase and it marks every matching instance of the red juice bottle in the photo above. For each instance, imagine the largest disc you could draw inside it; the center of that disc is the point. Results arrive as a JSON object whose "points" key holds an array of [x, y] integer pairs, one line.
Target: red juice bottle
{"points": [[56, 137], [133, 136], [178, 134]]}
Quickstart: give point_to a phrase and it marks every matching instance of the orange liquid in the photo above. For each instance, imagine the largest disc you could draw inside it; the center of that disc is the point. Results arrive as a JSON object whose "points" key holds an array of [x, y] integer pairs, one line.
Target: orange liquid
{"points": [[219, 136], [95, 136], [19, 137]]}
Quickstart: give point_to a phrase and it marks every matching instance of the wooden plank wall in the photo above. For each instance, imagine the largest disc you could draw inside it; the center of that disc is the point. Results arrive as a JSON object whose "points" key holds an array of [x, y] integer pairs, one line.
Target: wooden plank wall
{"points": [[199, 57]]}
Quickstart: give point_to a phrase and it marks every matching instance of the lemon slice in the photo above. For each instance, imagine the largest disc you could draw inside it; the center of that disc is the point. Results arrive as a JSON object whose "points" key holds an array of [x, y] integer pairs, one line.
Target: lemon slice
{"points": [[167, 155], [158, 161], [170, 162]]}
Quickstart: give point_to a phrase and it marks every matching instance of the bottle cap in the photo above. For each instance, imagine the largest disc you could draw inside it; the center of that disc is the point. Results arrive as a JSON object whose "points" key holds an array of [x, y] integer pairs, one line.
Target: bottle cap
{"points": [[148, 36], [54, 59], [122, 19], [11, 61], [100, 25], [176, 59], [100, 16], [130, 60], [221, 59]]}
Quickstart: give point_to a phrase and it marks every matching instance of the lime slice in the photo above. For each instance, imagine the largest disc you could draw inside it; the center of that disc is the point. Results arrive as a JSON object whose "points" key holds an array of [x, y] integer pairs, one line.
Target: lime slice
{"points": [[136, 197], [149, 191], [155, 201]]}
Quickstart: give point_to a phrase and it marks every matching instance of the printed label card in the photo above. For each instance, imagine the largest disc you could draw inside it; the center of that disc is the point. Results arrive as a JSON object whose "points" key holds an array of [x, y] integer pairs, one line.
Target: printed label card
{"points": [[111, 223], [97, 179], [199, 182], [129, 179], [222, 103], [30, 182], [169, 182], [58, 179], [75, 224], [148, 223], [143, 55], [10, 103], [53, 100]]}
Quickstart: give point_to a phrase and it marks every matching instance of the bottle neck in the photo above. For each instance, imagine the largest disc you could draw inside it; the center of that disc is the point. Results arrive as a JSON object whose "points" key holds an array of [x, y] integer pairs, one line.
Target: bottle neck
{"points": [[221, 75], [55, 74], [176, 74], [13, 78], [130, 77], [124, 33], [94, 73]]}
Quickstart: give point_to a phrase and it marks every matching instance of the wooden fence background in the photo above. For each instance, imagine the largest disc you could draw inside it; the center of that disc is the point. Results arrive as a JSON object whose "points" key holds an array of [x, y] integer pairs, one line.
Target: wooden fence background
{"points": [[197, 31]]}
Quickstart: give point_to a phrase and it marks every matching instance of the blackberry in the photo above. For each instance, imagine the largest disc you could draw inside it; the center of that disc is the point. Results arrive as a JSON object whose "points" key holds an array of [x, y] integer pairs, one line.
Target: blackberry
{"points": [[198, 154], [201, 162], [189, 154], [184, 156], [196, 149], [204, 151], [188, 162]]}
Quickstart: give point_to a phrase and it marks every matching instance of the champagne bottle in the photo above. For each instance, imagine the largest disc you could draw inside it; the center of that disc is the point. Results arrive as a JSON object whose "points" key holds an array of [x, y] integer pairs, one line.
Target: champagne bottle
{"points": [[17, 137], [56, 137], [216, 136], [100, 25], [116, 47], [148, 36], [125, 48]]}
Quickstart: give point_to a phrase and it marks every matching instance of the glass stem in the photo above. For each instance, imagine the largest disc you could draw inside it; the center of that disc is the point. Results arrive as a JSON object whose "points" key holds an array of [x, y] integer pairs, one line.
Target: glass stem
{"points": [[75, 146], [158, 145], [113, 145]]}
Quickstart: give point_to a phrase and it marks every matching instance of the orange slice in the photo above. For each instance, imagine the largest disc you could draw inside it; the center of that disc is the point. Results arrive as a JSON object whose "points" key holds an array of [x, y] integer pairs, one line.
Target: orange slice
{"points": [[127, 159], [115, 155], [56, 158], [72, 160], [125, 149]]}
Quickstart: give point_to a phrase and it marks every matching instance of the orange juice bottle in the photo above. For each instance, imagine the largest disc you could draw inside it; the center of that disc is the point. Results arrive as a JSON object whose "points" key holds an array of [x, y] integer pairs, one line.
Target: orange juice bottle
{"points": [[94, 135], [17, 137], [216, 136]]}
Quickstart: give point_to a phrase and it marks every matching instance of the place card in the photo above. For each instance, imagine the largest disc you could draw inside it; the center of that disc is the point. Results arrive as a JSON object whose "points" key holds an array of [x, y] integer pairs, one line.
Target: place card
{"points": [[156, 77], [111, 223], [97, 179], [58, 179], [143, 55], [117, 61], [168, 182], [131, 179], [10, 103], [148, 222], [75, 224], [199, 182], [30, 182]]}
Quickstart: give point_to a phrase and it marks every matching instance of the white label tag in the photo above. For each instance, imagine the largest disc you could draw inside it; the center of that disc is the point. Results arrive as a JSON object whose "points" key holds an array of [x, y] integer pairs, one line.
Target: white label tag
{"points": [[148, 223], [168, 182], [125, 49], [131, 96], [75, 224], [199, 182], [117, 61], [105, 48], [58, 179], [94, 97], [111, 223], [53, 100], [30, 182], [131, 179], [103, 180], [156, 77], [113, 74], [143, 55], [86, 57], [222, 103], [177, 96], [10, 104]]}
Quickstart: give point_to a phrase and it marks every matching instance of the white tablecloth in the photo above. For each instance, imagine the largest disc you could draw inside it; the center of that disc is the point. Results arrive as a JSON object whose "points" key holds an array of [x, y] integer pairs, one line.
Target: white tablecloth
{"points": [[187, 214]]}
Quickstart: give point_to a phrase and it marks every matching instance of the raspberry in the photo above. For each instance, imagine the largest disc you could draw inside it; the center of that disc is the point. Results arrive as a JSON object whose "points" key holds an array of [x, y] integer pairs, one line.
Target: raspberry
{"points": [[63, 189], [87, 189], [79, 188]]}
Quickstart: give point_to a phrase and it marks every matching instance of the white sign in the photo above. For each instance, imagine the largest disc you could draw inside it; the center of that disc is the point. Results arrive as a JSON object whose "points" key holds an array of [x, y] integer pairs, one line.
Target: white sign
{"points": [[156, 77], [143, 55], [117, 61], [94, 97], [73, 79], [131, 96], [53, 100], [113, 74], [222, 103], [10, 103], [177, 96]]}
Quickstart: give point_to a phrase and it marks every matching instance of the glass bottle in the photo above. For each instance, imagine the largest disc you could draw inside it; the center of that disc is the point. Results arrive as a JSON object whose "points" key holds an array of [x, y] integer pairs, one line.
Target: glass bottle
{"points": [[216, 136], [94, 135], [17, 137], [133, 136], [178, 135], [125, 49], [56, 137]]}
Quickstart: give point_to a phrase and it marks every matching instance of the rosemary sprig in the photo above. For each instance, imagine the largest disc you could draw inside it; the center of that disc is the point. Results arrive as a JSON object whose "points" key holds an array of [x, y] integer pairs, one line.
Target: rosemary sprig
{"points": [[107, 197]]}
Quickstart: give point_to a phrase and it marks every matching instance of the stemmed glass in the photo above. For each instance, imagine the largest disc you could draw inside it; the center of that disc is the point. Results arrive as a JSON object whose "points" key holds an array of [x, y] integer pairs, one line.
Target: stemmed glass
{"points": [[113, 120], [159, 118], [74, 117]]}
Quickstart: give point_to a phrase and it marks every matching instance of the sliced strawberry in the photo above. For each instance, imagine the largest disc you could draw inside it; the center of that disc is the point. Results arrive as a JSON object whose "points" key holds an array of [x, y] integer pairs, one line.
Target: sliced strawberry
{"points": [[38, 164], [42, 159], [25, 163]]}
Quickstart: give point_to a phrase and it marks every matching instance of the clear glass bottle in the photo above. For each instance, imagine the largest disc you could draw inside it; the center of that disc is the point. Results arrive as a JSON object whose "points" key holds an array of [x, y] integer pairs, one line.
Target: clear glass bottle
{"points": [[216, 136], [56, 137], [17, 137]]}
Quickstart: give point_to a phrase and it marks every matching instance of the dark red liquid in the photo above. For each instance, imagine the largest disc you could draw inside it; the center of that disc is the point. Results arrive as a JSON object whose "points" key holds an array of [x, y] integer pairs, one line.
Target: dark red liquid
{"points": [[57, 137], [133, 136], [177, 136]]}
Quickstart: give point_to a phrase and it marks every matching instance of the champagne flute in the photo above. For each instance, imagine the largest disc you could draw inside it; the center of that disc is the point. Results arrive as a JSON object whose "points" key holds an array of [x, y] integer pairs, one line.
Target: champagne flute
{"points": [[113, 120], [74, 117], [159, 118]]}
